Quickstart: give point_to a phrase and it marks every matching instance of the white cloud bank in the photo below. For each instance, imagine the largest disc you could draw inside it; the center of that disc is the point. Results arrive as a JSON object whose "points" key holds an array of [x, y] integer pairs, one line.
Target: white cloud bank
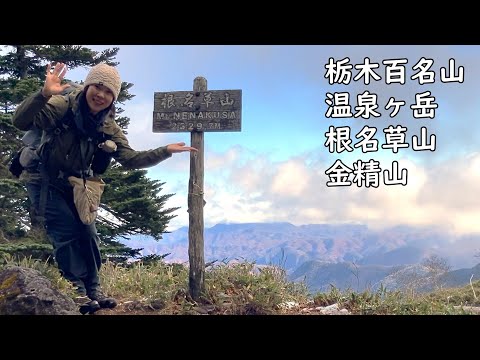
{"points": [[295, 191]]}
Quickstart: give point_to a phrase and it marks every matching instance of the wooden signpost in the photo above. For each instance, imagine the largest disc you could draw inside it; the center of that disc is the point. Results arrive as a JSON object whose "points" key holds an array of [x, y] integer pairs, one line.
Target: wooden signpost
{"points": [[196, 112]]}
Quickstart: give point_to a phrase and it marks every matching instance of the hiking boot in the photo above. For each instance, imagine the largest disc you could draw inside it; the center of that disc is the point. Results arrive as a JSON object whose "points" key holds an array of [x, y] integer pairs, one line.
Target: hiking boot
{"points": [[86, 305], [103, 301]]}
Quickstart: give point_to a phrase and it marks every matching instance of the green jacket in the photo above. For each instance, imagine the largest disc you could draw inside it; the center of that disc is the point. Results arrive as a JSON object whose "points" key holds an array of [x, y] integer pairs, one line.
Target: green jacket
{"points": [[44, 113]]}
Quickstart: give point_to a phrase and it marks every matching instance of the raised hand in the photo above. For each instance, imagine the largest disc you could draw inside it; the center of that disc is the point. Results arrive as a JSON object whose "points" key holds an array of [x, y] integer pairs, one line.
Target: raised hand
{"points": [[179, 147], [53, 80]]}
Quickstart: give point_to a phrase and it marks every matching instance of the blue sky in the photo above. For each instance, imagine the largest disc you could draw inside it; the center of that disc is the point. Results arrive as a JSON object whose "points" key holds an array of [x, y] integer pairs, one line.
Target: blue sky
{"points": [[274, 169]]}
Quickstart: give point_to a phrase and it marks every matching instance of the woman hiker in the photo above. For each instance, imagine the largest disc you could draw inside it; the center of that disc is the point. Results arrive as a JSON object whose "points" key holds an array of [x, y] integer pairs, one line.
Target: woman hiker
{"points": [[85, 115]]}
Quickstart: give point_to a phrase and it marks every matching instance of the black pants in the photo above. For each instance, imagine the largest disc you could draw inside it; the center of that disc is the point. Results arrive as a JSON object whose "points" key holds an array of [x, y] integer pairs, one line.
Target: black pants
{"points": [[75, 244]]}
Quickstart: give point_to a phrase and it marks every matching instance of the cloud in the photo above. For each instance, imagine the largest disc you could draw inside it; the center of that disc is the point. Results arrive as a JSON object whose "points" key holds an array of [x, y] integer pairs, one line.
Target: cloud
{"points": [[217, 161], [295, 191], [291, 179], [224, 207], [453, 185]]}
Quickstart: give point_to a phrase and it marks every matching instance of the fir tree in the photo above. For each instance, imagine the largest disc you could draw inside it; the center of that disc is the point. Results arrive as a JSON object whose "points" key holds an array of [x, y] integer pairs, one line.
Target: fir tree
{"points": [[131, 199]]}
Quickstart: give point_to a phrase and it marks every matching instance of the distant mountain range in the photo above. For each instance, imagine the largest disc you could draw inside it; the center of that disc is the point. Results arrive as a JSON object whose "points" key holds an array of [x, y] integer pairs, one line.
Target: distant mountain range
{"points": [[322, 276], [348, 255]]}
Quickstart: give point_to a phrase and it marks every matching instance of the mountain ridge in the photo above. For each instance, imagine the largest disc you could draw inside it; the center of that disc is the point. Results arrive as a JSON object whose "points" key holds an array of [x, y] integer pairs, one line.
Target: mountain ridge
{"points": [[269, 242], [376, 251]]}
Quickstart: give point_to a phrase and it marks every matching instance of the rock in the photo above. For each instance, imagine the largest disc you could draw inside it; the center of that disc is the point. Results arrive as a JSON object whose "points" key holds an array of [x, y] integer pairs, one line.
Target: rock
{"points": [[25, 291], [158, 304]]}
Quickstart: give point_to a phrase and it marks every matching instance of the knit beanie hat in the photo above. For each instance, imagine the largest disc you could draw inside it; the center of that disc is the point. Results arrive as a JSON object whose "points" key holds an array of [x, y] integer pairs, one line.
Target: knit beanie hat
{"points": [[105, 75]]}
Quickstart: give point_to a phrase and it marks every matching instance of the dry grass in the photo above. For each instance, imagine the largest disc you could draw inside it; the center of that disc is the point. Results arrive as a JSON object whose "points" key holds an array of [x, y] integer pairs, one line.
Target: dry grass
{"points": [[241, 288]]}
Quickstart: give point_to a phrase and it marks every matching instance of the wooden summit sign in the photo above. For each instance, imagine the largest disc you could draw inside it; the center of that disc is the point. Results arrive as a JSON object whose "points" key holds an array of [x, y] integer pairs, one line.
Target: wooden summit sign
{"points": [[197, 111], [186, 111]]}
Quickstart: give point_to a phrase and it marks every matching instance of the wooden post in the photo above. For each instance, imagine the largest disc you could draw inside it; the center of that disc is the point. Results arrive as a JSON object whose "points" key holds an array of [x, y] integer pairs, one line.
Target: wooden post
{"points": [[197, 111], [195, 207]]}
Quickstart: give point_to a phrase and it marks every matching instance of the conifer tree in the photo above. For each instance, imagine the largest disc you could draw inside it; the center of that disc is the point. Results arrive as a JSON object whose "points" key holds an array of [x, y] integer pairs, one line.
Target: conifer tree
{"points": [[132, 202]]}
